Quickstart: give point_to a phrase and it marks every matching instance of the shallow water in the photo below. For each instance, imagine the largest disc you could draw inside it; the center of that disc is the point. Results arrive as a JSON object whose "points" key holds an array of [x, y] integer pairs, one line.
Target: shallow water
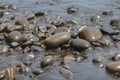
{"points": [[87, 8]]}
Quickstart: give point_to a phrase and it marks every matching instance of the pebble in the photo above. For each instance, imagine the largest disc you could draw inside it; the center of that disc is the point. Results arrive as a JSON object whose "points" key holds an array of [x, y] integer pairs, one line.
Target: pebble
{"points": [[49, 76], [2, 27], [72, 10], [22, 22], [37, 71], [98, 60], [1, 14], [14, 44], [15, 36], [30, 37], [116, 37], [113, 67], [4, 49], [14, 28], [64, 71], [57, 39], [115, 23], [79, 44], [61, 29], [116, 57], [107, 30], [47, 60], [22, 77], [91, 34]]}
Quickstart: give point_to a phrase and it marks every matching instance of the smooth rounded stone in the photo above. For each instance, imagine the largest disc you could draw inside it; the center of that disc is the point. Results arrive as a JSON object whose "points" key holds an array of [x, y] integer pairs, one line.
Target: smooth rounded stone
{"points": [[49, 76], [2, 76], [113, 67], [14, 28], [79, 44], [72, 10], [107, 30], [47, 60], [98, 60], [2, 27], [21, 77], [27, 43], [2, 37], [61, 29], [4, 49], [104, 42], [39, 13], [15, 36], [37, 71], [96, 44], [116, 57], [116, 37], [1, 13], [109, 12], [57, 39], [27, 63], [115, 23], [14, 44], [91, 34], [30, 37], [27, 57], [65, 71], [22, 22]]}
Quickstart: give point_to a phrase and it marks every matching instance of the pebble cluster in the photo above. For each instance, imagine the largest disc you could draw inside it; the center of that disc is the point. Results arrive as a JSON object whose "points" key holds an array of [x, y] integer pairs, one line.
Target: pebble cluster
{"points": [[29, 46]]}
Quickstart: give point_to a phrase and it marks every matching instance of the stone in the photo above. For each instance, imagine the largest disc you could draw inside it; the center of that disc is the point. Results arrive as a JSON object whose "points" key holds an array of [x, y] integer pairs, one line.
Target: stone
{"points": [[57, 39], [3, 49], [15, 36], [79, 44], [47, 60], [113, 67], [91, 34]]}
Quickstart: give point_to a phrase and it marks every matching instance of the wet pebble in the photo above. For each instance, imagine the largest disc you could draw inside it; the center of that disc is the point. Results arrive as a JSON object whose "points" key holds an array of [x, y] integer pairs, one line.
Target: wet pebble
{"points": [[115, 23], [49, 76], [22, 22], [22, 77], [4, 49], [72, 10], [90, 34], [116, 57], [2, 27], [116, 37], [14, 44], [64, 71], [37, 71], [39, 13], [47, 60], [57, 39], [14, 28], [98, 60], [61, 29], [107, 30], [15, 36], [1, 13], [79, 44], [30, 37], [113, 67]]}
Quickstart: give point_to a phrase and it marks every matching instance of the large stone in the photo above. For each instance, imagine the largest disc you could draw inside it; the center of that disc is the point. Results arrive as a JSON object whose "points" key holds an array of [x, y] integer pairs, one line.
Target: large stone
{"points": [[113, 67], [57, 39], [91, 34]]}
